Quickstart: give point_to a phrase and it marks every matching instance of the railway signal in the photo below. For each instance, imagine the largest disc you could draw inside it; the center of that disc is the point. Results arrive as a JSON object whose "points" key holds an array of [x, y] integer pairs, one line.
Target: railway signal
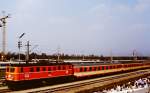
{"points": [[20, 43]]}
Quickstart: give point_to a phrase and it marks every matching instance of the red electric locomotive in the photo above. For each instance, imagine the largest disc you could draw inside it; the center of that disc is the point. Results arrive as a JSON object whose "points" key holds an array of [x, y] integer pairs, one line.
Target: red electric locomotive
{"points": [[20, 75]]}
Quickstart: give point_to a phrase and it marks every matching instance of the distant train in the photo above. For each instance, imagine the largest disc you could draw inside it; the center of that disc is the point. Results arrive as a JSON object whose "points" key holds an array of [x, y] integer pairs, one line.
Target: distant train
{"points": [[20, 75]]}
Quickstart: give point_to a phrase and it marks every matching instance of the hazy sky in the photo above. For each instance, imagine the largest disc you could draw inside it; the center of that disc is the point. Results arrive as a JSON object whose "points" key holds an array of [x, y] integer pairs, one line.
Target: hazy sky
{"points": [[79, 26]]}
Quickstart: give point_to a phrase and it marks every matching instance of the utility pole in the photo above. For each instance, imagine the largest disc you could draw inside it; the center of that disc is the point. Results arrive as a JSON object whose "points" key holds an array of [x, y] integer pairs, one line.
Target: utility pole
{"points": [[111, 56], [3, 25], [83, 56], [58, 54], [134, 55], [27, 53]]}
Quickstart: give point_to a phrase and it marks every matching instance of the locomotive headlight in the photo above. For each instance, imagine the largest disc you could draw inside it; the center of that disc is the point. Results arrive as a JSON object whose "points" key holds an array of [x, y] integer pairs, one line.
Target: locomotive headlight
{"points": [[10, 77]]}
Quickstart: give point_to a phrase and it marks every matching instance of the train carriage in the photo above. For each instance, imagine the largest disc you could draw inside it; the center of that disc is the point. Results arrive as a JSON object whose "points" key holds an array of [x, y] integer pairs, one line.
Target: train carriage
{"points": [[101, 69]]}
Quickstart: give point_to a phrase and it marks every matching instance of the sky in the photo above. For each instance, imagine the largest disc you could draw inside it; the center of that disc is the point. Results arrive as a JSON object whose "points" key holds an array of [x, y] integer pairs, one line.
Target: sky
{"points": [[99, 27]]}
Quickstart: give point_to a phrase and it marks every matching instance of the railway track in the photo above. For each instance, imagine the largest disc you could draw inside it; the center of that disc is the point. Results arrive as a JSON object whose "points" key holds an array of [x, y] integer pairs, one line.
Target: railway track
{"points": [[4, 89], [2, 82], [75, 85]]}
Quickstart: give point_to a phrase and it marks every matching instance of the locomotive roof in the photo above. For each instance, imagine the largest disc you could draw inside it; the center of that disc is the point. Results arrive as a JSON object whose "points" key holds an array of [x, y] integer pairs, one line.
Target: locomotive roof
{"points": [[40, 64]]}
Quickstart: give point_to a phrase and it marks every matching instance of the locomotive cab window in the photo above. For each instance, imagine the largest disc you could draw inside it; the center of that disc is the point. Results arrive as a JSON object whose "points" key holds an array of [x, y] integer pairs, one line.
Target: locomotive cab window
{"points": [[12, 69]]}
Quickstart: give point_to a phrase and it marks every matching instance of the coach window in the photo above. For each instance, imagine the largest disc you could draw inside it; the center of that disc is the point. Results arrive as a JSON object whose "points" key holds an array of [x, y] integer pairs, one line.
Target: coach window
{"points": [[110, 67], [85, 69], [37, 69], [102, 67], [125, 65], [99, 68], [106, 67], [80, 69], [94, 68], [120, 66], [90, 68], [31, 69]]}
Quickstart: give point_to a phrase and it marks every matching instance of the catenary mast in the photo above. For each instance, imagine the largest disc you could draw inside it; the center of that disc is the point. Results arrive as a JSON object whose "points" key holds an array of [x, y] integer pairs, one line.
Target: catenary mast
{"points": [[3, 25]]}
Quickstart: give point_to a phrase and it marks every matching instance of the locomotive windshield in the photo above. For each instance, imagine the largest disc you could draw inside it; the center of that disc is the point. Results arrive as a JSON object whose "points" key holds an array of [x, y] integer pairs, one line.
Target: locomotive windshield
{"points": [[10, 69]]}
